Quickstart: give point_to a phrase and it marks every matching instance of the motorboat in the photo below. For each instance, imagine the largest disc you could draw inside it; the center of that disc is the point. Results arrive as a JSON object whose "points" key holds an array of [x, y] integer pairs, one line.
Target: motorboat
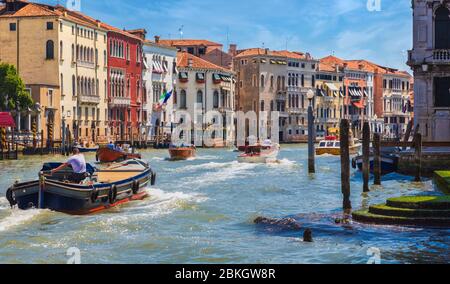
{"points": [[101, 189], [265, 152]]}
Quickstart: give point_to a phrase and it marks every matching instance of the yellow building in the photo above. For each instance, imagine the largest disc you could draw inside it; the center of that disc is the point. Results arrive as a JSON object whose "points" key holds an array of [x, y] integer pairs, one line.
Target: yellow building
{"points": [[61, 56]]}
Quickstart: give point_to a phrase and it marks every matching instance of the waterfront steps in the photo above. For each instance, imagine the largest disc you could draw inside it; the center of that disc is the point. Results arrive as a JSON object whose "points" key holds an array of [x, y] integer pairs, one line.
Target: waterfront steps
{"points": [[415, 211]]}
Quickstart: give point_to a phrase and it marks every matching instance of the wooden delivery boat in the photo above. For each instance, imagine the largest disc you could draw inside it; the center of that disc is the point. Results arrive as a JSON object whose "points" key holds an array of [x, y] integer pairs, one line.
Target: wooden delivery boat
{"points": [[102, 189], [183, 152], [108, 155], [266, 152]]}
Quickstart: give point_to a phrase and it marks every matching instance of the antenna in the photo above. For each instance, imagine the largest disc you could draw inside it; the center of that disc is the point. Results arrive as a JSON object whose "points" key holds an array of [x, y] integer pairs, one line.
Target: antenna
{"points": [[180, 30]]}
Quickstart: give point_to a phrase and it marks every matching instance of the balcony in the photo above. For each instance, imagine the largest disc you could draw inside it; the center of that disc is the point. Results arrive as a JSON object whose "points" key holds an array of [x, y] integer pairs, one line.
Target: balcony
{"points": [[441, 55], [119, 101], [86, 64], [90, 99]]}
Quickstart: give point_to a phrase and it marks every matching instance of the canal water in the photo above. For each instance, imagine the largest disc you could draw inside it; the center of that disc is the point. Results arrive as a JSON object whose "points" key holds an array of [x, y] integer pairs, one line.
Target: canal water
{"points": [[202, 211]]}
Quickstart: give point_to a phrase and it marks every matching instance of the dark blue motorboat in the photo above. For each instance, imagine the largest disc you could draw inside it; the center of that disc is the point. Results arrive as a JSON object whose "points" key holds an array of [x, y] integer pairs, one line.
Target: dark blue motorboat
{"points": [[389, 161], [102, 189]]}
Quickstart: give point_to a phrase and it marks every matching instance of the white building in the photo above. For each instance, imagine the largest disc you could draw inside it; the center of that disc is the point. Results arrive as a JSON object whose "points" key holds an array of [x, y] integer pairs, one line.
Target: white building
{"points": [[206, 87], [159, 76]]}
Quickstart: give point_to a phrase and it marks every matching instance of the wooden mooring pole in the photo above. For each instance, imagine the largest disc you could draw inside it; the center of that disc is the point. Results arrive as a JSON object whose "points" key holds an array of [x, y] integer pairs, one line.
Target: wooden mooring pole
{"points": [[311, 141], [345, 164], [366, 156], [377, 158], [418, 156]]}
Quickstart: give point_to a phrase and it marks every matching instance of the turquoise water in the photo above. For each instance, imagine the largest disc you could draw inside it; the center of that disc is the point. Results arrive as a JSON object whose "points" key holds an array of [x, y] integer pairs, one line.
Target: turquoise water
{"points": [[201, 211]]}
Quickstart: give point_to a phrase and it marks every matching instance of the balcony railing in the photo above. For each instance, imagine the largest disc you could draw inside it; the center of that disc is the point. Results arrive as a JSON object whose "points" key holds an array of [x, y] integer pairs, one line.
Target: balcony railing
{"points": [[90, 99], [441, 55], [86, 64], [118, 101]]}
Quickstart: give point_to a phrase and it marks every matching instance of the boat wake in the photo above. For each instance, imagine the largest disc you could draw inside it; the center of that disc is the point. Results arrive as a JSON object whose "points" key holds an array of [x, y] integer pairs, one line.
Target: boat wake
{"points": [[18, 217], [162, 203], [218, 172], [284, 163]]}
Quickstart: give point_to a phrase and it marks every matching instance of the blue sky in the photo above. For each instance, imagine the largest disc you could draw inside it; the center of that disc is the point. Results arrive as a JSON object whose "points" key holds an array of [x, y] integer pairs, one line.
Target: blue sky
{"points": [[345, 28]]}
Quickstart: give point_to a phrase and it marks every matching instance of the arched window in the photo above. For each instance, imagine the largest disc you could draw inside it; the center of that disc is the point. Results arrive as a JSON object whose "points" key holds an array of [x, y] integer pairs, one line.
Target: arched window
{"points": [[183, 99], [442, 28], [74, 88], [271, 81], [303, 80], [262, 81], [50, 50], [200, 97], [61, 84], [262, 105], [73, 53], [216, 99]]}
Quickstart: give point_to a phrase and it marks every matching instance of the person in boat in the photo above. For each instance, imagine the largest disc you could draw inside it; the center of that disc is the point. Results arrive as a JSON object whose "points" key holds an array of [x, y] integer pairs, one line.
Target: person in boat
{"points": [[78, 164], [111, 145]]}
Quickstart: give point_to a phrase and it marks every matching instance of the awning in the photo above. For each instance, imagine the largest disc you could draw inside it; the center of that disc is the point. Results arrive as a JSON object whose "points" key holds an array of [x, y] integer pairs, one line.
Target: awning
{"points": [[332, 87], [216, 77], [6, 120], [320, 93], [359, 104], [365, 93], [200, 76], [146, 65], [183, 75], [341, 93], [273, 61]]}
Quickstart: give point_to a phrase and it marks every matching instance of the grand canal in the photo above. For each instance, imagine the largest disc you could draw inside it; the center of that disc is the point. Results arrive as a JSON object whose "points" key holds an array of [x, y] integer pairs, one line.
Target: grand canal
{"points": [[201, 211]]}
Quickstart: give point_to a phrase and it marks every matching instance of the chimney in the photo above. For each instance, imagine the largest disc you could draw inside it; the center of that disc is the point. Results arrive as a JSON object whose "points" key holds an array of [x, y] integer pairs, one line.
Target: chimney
{"points": [[190, 62], [345, 65], [266, 51], [141, 33], [232, 50], [157, 39]]}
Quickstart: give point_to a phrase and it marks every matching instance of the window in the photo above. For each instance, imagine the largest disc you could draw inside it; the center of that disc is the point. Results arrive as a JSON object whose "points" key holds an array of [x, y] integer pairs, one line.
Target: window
{"points": [[442, 92], [442, 28], [50, 97], [262, 81], [49, 50], [199, 97], [262, 106], [183, 99], [216, 99], [61, 50], [49, 26], [190, 50], [62, 85], [12, 27]]}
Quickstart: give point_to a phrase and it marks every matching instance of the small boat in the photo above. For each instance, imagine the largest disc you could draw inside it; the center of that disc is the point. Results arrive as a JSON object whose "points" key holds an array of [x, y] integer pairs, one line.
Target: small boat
{"points": [[108, 155], [389, 161], [102, 189], [267, 152], [332, 146], [87, 149], [182, 152]]}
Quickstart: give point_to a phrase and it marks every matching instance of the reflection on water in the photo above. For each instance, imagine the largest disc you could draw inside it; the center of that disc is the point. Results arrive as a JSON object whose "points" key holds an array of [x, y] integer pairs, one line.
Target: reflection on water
{"points": [[201, 211]]}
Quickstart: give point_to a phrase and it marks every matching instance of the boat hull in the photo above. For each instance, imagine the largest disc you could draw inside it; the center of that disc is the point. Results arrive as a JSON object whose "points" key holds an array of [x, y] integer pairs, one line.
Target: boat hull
{"points": [[337, 151], [107, 155], [80, 199], [179, 154], [88, 150], [389, 164], [259, 159]]}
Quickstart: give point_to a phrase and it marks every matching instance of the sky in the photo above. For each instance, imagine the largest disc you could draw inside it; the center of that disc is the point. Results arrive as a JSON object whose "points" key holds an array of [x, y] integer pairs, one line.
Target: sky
{"points": [[350, 29]]}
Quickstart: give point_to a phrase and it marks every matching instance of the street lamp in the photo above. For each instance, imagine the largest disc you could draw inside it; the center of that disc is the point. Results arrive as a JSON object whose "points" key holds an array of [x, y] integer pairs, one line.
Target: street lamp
{"points": [[311, 134]]}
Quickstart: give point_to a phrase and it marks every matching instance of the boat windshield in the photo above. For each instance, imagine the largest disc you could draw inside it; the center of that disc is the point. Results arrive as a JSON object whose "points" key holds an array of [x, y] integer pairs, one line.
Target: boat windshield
{"points": [[253, 150], [330, 144], [322, 144]]}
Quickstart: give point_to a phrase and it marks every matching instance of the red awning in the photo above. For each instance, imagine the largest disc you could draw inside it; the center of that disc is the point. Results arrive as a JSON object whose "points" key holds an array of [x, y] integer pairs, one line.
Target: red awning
{"points": [[359, 104], [6, 120]]}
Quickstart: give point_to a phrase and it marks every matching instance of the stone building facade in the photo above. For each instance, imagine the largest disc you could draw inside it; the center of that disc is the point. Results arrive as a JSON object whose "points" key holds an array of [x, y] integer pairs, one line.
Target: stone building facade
{"points": [[430, 61]]}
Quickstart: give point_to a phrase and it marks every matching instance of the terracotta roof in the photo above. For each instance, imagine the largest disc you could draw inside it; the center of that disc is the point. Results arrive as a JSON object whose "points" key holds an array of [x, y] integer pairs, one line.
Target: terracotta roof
{"points": [[278, 53], [188, 42], [29, 10], [39, 10], [197, 63], [151, 42]]}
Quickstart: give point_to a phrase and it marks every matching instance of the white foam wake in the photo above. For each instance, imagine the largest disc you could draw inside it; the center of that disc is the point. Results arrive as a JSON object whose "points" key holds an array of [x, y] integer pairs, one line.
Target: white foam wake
{"points": [[163, 203], [18, 217]]}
